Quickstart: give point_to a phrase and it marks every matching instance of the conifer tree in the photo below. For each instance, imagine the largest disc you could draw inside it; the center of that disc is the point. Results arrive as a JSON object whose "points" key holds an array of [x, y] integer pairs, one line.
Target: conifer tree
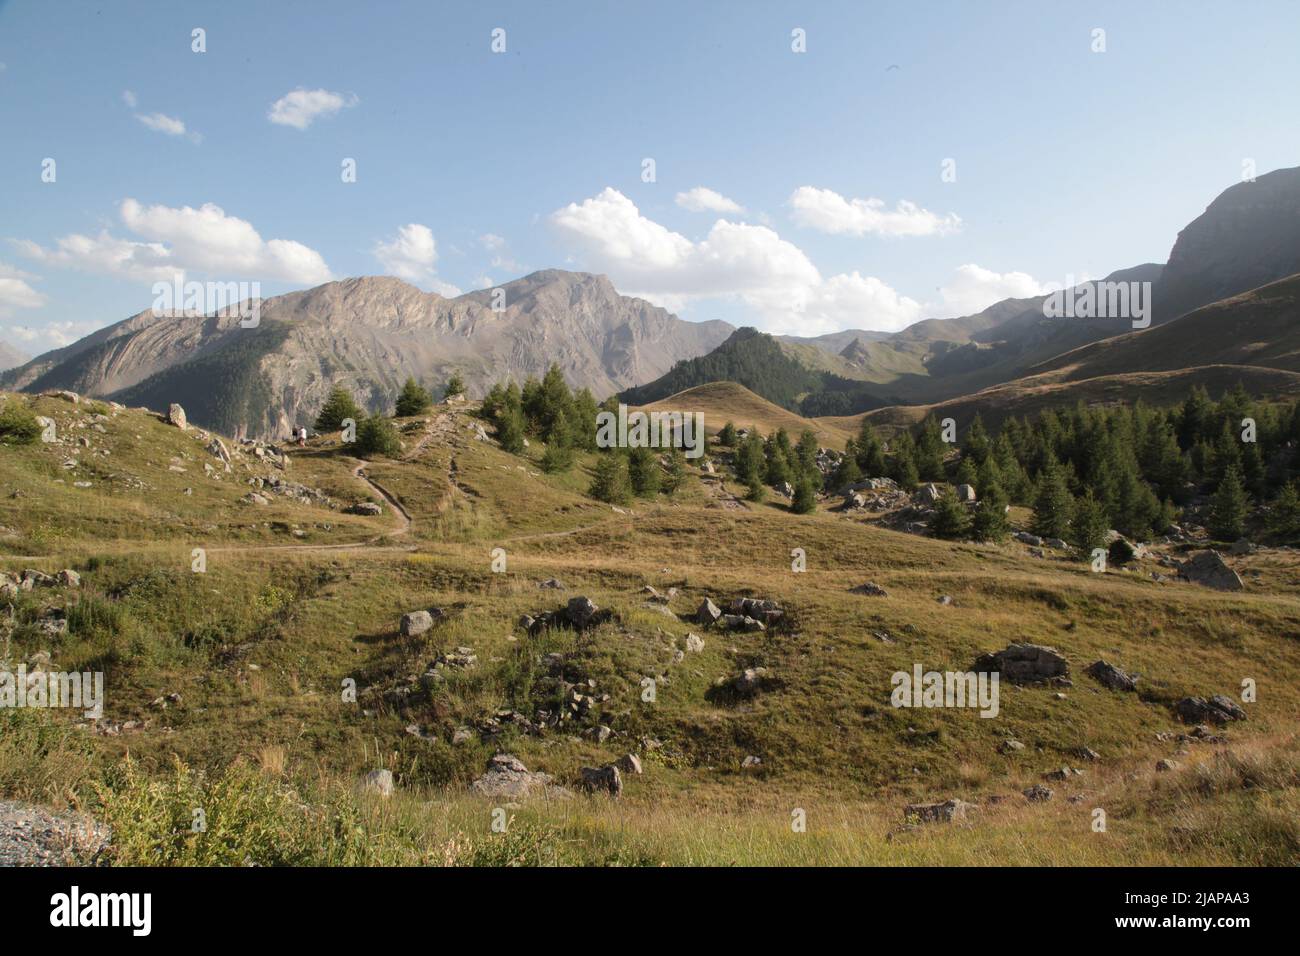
{"points": [[338, 405]]}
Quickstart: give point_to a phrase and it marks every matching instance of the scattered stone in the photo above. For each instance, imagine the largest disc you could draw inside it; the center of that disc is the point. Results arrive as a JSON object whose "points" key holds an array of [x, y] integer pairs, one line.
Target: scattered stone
{"points": [[1108, 675], [944, 599], [1086, 753], [749, 681], [368, 508], [1024, 537], [1166, 765], [694, 643], [1038, 793], [581, 610], [1064, 773], [751, 761], [1010, 745], [552, 584]]}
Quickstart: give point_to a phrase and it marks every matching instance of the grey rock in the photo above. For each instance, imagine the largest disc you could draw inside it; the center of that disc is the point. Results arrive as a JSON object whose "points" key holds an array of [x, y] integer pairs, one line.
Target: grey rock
{"points": [[1025, 663], [1208, 569], [605, 779], [945, 812], [1108, 675]]}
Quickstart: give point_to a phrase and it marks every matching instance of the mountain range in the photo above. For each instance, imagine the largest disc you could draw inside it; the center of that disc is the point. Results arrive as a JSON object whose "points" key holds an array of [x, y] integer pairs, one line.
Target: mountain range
{"points": [[371, 333]]}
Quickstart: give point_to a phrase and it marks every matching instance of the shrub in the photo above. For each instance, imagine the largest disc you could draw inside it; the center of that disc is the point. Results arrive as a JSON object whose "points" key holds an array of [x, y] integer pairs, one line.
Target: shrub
{"points": [[18, 426]]}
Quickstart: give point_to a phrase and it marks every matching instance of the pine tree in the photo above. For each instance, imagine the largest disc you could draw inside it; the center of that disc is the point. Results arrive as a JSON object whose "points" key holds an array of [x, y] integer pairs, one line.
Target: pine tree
{"points": [[339, 405], [1053, 505], [805, 496], [674, 472], [375, 436], [1284, 516], [990, 522], [1088, 525], [455, 386], [510, 428], [727, 436], [870, 452], [951, 519], [1230, 507], [610, 481], [413, 400], [644, 472]]}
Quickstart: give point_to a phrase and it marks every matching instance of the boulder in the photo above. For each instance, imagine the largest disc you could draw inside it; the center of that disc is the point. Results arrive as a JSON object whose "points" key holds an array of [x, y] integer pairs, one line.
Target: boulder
{"points": [[176, 416], [1025, 663], [966, 494], [417, 622], [694, 643], [1108, 675], [551, 584], [928, 494], [870, 588], [945, 812], [708, 612], [68, 578], [749, 681], [217, 449], [1024, 537], [581, 611], [506, 776], [1208, 569], [1242, 546], [379, 782], [48, 431], [368, 508], [1038, 793], [604, 779], [1217, 710], [629, 763]]}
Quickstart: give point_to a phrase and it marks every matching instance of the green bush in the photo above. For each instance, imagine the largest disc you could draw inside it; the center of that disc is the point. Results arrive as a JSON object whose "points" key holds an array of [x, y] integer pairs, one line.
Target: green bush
{"points": [[18, 426], [375, 436]]}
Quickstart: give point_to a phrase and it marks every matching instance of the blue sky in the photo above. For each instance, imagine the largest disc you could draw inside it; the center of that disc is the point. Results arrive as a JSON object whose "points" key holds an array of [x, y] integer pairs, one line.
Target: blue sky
{"points": [[828, 208]]}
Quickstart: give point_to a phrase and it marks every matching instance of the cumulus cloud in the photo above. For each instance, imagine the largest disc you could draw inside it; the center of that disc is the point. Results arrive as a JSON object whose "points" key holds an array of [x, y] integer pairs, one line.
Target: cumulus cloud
{"points": [[162, 123], [411, 255], [300, 108], [501, 258], [974, 288], [703, 199], [183, 239], [749, 263], [52, 335], [828, 211]]}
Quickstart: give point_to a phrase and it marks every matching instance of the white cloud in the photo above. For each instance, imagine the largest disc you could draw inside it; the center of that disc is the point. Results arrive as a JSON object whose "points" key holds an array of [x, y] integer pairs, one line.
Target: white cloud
{"points": [[301, 107], [411, 255], [53, 335], [129, 99], [179, 240], [162, 123], [17, 294], [974, 288], [703, 199], [828, 211], [748, 263]]}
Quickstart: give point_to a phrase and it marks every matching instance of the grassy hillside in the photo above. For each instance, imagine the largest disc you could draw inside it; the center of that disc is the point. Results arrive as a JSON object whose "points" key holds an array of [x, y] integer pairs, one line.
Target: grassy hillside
{"points": [[259, 645], [722, 402]]}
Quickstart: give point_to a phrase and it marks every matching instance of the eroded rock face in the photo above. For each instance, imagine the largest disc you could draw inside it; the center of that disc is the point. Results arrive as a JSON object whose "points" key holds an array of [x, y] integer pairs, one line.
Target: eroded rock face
{"points": [[1216, 710], [1208, 569], [1025, 663]]}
